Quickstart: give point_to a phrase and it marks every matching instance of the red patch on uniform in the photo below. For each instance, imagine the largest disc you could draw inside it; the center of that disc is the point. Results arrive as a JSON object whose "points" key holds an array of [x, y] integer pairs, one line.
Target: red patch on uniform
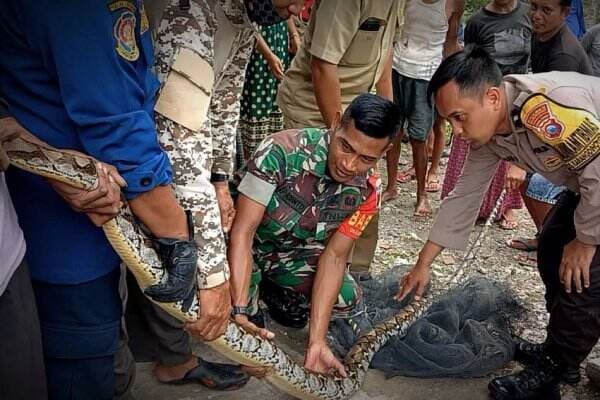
{"points": [[541, 118]]}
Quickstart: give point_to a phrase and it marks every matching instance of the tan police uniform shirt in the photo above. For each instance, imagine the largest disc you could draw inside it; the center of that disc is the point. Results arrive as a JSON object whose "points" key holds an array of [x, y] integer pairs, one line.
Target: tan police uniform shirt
{"points": [[459, 210], [334, 35]]}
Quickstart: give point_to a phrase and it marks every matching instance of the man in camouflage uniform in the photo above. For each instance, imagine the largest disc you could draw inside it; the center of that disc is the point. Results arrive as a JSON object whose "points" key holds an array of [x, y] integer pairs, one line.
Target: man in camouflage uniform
{"points": [[291, 260], [202, 48], [305, 196]]}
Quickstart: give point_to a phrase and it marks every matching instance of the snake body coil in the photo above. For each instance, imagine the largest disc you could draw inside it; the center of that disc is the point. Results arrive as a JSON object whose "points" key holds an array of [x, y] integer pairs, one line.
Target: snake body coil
{"points": [[137, 253]]}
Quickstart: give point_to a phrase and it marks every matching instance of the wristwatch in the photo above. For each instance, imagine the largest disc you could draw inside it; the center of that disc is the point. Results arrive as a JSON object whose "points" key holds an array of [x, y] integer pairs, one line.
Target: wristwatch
{"points": [[240, 310], [218, 177]]}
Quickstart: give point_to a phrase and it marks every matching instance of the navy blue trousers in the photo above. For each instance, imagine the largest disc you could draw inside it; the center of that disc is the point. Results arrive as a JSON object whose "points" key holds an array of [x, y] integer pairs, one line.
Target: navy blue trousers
{"points": [[80, 332]]}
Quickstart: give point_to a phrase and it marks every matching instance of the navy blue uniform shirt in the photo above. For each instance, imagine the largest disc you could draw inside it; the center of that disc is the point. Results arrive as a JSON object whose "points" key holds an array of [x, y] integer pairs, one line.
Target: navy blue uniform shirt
{"points": [[77, 74]]}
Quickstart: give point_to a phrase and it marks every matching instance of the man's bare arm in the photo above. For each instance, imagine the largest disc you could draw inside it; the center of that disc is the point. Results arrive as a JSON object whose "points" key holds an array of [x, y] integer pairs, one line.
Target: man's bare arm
{"points": [[328, 281], [326, 286], [239, 253], [327, 89], [451, 44], [159, 210], [384, 85]]}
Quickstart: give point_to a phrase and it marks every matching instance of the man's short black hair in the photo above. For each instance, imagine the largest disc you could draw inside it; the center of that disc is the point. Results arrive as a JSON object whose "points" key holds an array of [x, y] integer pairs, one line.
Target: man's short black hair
{"points": [[472, 69], [566, 3], [373, 115]]}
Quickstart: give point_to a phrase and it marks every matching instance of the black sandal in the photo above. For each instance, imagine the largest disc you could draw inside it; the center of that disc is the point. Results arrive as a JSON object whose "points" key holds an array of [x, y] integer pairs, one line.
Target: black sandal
{"points": [[214, 376]]}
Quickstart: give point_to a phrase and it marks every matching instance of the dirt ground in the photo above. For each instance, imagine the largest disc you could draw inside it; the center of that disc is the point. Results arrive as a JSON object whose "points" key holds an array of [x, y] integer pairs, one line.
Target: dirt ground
{"points": [[401, 237]]}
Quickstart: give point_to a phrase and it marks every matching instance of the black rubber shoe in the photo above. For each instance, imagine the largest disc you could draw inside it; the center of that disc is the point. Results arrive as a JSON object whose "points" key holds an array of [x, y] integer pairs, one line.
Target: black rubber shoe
{"points": [[286, 306], [528, 353], [536, 382], [215, 376]]}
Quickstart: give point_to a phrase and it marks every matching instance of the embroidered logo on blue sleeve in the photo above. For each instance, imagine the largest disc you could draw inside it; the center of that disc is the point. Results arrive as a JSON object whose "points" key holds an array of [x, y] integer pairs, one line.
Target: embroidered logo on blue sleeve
{"points": [[124, 29]]}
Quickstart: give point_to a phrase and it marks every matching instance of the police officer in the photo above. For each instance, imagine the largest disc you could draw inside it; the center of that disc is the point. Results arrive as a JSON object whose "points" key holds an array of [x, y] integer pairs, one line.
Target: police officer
{"points": [[78, 76], [546, 123]]}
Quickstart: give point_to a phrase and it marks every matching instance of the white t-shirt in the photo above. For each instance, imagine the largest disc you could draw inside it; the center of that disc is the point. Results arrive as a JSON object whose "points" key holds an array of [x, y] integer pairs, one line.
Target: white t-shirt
{"points": [[419, 50], [12, 243]]}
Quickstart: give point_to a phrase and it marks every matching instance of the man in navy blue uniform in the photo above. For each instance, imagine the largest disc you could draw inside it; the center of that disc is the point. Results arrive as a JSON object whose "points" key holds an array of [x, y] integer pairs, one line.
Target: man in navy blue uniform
{"points": [[76, 74]]}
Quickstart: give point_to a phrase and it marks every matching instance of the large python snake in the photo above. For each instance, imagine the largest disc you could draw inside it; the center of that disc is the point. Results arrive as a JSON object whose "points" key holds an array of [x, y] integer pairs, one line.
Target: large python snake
{"points": [[137, 253]]}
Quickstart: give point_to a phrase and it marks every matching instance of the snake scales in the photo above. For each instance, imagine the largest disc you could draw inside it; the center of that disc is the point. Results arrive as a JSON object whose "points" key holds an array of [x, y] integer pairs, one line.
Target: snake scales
{"points": [[137, 253]]}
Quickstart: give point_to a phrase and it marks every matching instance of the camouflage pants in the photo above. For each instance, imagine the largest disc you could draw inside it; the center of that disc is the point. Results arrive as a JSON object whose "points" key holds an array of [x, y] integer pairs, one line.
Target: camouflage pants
{"points": [[299, 276]]}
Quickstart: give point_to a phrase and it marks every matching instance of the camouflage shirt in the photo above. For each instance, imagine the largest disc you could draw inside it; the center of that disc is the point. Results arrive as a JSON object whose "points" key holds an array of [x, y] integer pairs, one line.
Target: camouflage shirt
{"points": [[210, 30], [304, 205]]}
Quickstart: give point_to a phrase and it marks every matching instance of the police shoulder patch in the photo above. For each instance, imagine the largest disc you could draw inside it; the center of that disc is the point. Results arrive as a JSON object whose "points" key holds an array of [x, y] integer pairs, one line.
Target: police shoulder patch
{"points": [[124, 32], [541, 119], [573, 133], [124, 29]]}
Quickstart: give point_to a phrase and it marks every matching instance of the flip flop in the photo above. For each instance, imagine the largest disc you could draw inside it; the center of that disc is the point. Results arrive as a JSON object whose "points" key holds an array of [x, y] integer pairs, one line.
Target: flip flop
{"points": [[422, 214], [406, 176], [523, 246], [215, 376], [528, 259], [433, 186], [508, 224]]}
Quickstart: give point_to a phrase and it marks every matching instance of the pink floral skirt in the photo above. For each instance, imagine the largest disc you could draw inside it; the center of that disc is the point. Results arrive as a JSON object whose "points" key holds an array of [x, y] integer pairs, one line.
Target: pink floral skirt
{"points": [[458, 155]]}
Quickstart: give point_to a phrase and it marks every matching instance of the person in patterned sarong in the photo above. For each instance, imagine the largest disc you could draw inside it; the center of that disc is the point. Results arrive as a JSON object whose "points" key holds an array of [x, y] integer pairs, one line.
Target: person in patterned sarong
{"points": [[259, 114], [305, 196]]}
